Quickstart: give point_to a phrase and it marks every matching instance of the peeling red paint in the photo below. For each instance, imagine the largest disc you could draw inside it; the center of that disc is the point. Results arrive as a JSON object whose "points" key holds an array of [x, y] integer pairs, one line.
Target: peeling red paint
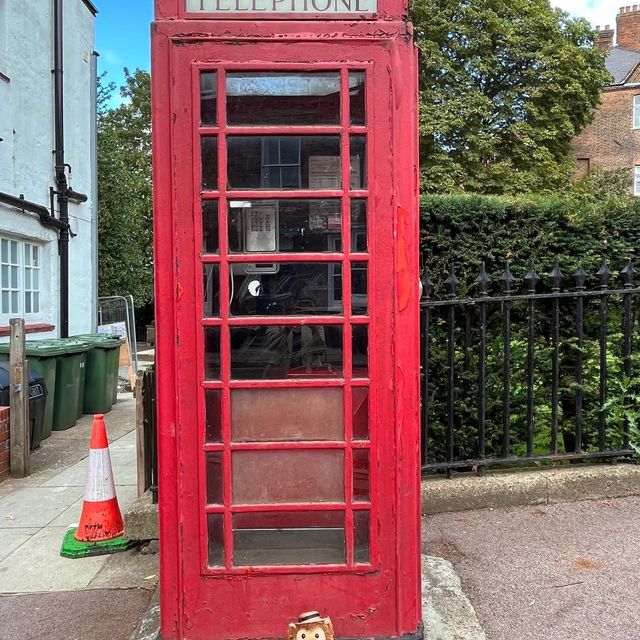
{"points": [[404, 276]]}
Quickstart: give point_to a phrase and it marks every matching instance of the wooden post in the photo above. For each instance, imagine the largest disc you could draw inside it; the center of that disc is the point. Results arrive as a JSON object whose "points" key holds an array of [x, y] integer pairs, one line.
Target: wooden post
{"points": [[20, 431]]}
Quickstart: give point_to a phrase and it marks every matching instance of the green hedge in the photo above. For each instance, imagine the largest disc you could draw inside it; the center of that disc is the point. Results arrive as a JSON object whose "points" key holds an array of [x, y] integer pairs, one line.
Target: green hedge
{"points": [[467, 229]]}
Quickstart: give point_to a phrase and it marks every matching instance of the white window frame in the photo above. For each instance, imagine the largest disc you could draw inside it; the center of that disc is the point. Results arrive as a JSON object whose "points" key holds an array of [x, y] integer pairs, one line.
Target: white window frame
{"points": [[636, 112], [21, 277], [636, 180]]}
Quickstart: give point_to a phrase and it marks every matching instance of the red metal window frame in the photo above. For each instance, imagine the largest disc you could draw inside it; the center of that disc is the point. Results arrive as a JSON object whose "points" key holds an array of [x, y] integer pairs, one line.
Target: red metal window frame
{"points": [[224, 258]]}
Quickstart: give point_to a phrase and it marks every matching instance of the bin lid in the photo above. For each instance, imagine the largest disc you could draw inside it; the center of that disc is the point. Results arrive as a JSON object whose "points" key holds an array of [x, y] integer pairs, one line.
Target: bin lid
{"points": [[37, 348], [35, 379], [70, 345], [101, 340]]}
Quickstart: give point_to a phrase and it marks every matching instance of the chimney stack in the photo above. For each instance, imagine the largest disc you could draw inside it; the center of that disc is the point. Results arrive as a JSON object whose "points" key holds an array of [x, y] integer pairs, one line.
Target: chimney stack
{"points": [[605, 37], [628, 22]]}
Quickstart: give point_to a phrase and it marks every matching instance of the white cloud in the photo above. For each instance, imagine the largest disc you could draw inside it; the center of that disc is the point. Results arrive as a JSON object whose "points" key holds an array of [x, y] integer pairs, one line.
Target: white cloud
{"points": [[598, 12]]}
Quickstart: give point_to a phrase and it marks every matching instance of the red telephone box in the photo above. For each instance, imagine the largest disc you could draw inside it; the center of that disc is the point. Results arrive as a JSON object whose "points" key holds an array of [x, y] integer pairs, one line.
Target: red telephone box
{"points": [[286, 240]]}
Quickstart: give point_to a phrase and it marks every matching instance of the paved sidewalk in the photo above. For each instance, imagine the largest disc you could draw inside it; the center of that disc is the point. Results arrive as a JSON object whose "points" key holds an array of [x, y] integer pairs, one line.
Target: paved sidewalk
{"points": [[57, 597], [555, 572]]}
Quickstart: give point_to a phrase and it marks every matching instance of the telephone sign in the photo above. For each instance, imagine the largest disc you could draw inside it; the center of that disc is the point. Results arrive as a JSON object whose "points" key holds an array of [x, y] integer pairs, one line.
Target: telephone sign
{"points": [[286, 256]]}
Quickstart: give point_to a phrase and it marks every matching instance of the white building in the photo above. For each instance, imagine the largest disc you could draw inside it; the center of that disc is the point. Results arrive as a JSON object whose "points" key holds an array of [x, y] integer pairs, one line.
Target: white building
{"points": [[31, 123]]}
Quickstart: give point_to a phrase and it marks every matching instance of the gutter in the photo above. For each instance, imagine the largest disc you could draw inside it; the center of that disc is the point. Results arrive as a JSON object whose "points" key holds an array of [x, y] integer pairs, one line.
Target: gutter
{"points": [[43, 213]]}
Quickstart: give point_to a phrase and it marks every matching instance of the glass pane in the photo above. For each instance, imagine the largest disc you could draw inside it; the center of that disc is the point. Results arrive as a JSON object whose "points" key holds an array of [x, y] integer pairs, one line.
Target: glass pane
{"points": [[13, 245], [361, 536], [213, 413], [294, 225], [27, 278], [359, 288], [360, 419], [5, 302], [208, 98], [358, 162], [27, 302], [27, 255], [5, 276], [359, 225], [357, 97], [216, 539], [288, 477], [285, 289], [360, 475], [209, 162], [211, 287], [282, 538], [286, 352], [4, 250], [36, 280], [283, 98], [212, 353], [36, 302], [270, 415], [14, 277], [35, 256], [284, 162], [215, 494], [15, 302], [210, 226], [360, 350]]}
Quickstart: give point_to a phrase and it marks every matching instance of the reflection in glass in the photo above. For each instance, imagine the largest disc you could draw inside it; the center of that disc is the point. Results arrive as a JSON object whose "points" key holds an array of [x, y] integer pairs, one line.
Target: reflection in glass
{"points": [[360, 475], [357, 98], [361, 536], [288, 476], [283, 289], [298, 225], [210, 226], [283, 98], [359, 226], [283, 162], [359, 288], [208, 98], [286, 351], [360, 419], [211, 287], [213, 415], [209, 163], [358, 162], [360, 350], [283, 538], [212, 353], [214, 477], [265, 415], [216, 539]]}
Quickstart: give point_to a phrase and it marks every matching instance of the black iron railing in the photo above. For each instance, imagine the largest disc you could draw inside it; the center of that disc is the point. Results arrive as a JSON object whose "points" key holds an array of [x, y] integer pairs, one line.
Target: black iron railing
{"points": [[538, 373], [150, 431]]}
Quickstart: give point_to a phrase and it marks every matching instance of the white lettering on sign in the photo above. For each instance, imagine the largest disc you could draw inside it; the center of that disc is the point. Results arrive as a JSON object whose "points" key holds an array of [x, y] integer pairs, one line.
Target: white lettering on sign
{"points": [[282, 6]]}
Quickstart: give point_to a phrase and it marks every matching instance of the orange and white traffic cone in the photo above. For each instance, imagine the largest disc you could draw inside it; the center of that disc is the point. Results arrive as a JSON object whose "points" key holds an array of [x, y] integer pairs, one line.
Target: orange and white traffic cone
{"points": [[101, 519]]}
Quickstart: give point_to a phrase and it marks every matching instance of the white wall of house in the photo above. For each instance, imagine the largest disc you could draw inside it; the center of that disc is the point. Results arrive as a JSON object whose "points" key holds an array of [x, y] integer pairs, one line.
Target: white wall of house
{"points": [[27, 162]]}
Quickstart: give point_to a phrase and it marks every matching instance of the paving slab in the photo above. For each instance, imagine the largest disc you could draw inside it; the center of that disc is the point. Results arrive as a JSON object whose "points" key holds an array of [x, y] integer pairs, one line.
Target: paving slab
{"points": [[36, 506], [11, 539], [37, 566], [130, 568], [554, 572], [94, 614]]}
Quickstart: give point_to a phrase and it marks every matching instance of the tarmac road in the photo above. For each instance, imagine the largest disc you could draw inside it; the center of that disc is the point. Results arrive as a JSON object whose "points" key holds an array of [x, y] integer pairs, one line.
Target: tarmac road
{"points": [[552, 572]]}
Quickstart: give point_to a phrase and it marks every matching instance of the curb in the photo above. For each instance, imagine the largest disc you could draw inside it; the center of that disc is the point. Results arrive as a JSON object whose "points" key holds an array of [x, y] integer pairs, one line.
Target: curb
{"points": [[514, 488]]}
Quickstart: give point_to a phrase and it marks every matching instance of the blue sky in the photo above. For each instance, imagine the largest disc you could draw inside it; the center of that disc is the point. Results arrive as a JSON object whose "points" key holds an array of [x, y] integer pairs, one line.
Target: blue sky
{"points": [[122, 36], [122, 30]]}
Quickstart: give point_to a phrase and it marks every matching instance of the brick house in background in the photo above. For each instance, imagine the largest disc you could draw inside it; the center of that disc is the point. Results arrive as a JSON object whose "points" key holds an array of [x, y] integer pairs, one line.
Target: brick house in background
{"points": [[612, 140]]}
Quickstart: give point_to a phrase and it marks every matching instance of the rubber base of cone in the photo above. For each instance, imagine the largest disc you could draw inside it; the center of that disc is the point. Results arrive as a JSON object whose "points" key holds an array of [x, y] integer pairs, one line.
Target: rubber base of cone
{"points": [[72, 548]]}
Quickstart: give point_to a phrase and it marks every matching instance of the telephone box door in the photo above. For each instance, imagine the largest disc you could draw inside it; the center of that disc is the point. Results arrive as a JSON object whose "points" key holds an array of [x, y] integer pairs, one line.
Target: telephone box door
{"points": [[289, 444]]}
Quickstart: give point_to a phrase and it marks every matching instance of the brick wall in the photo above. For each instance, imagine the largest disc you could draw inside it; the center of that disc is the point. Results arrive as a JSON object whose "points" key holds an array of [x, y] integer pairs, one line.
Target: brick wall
{"points": [[610, 142], [628, 27], [4, 443]]}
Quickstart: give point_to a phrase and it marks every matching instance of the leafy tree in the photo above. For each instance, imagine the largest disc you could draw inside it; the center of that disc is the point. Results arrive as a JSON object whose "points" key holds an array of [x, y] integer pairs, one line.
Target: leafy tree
{"points": [[505, 87], [125, 258]]}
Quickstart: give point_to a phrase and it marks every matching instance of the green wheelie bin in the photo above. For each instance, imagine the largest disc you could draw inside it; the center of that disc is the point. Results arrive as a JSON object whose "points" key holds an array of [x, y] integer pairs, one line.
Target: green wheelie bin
{"points": [[42, 357], [101, 372], [69, 370]]}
